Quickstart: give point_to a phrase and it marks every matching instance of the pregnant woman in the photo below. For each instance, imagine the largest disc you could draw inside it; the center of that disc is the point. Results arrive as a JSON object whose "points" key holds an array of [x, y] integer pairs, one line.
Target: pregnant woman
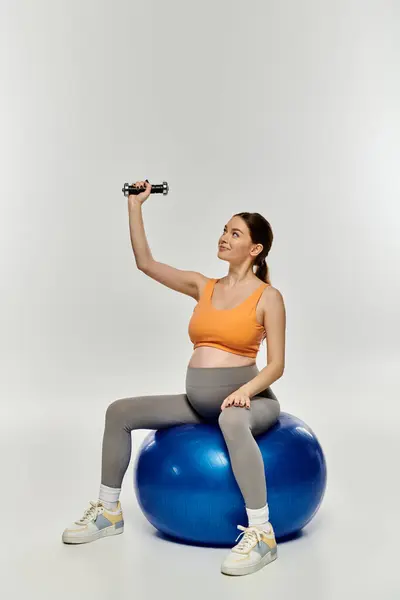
{"points": [[232, 317]]}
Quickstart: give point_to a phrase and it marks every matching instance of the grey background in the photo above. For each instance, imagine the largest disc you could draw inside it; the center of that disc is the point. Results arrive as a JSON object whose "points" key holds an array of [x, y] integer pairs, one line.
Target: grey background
{"points": [[287, 108]]}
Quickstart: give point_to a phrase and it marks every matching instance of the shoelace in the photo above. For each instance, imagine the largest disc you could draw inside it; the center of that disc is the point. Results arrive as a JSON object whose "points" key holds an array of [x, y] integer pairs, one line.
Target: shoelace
{"points": [[91, 513], [251, 536]]}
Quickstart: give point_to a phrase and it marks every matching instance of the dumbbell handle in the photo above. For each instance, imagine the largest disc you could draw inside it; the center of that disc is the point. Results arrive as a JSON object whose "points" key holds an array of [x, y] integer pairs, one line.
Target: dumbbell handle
{"points": [[161, 188]]}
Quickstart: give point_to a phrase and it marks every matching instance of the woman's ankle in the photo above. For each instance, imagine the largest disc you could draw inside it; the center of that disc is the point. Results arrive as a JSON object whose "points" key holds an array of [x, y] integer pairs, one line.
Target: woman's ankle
{"points": [[109, 496]]}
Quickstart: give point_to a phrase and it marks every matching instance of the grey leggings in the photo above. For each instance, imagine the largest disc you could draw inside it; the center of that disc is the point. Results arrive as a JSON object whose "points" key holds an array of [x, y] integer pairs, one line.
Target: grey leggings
{"points": [[206, 389]]}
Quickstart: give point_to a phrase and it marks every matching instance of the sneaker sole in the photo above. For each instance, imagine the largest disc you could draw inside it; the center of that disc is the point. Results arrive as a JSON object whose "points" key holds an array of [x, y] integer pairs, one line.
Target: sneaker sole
{"points": [[268, 558], [106, 532]]}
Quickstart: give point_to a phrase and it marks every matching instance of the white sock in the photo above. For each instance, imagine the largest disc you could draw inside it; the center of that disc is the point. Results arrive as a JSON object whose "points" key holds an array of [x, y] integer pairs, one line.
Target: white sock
{"points": [[109, 496], [258, 516]]}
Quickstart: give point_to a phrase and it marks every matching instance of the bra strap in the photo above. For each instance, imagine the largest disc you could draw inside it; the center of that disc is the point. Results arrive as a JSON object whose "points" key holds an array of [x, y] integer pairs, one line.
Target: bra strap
{"points": [[208, 290], [257, 297]]}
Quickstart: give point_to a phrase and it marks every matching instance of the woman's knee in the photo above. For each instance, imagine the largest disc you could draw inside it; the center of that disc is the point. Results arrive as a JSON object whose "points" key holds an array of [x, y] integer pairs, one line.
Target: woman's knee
{"points": [[115, 410], [233, 420]]}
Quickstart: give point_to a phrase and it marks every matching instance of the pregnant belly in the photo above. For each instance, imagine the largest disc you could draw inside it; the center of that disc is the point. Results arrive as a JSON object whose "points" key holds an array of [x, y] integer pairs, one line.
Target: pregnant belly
{"points": [[206, 357], [207, 400]]}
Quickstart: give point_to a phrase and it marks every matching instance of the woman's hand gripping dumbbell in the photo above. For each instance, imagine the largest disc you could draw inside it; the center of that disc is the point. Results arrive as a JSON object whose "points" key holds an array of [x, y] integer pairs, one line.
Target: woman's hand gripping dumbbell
{"points": [[142, 189]]}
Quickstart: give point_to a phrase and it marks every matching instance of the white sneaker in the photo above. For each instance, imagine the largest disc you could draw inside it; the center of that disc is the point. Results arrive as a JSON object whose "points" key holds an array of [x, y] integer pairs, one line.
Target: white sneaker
{"points": [[256, 549], [97, 522]]}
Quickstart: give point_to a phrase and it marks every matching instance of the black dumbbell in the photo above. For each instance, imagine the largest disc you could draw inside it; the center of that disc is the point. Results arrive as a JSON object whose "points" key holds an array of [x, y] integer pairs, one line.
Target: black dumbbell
{"points": [[161, 188]]}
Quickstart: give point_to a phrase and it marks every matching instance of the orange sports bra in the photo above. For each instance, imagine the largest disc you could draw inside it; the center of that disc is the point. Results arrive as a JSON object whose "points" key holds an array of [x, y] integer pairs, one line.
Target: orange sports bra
{"points": [[234, 329]]}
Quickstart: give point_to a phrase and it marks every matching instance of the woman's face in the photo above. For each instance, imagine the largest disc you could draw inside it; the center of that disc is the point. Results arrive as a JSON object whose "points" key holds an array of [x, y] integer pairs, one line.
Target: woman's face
{"points": [[235, 241]]}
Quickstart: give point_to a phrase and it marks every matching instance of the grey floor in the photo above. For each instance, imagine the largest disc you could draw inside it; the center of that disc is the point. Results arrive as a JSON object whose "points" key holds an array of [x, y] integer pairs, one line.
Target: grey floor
{"points": [[50, 469]]}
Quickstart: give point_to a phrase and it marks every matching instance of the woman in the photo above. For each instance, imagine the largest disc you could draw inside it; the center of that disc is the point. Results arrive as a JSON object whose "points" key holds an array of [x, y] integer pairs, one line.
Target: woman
{"points": [[231, 318]]}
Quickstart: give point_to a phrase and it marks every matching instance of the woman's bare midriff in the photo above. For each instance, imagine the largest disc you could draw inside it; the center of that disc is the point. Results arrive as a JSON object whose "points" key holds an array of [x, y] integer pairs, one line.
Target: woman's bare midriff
{"points": [[207, 356]]}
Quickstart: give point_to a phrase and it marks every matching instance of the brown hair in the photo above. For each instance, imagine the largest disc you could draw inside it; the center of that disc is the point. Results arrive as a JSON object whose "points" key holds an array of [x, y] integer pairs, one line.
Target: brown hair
{"points": [[260, 233]]}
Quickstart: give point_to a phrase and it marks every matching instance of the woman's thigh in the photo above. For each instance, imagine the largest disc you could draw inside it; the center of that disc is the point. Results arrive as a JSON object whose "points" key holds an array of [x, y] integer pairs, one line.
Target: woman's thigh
{"points": [[152, 412], [264, 413]]}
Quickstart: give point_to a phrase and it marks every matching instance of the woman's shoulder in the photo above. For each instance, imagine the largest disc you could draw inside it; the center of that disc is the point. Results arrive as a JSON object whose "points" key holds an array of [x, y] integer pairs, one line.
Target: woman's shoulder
{"points": [[271, 295], [202, 283]]}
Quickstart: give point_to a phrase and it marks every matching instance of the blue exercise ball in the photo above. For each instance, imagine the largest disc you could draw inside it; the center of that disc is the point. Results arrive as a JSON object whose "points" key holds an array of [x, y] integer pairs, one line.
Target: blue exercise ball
{"points": [[186, 488]]}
